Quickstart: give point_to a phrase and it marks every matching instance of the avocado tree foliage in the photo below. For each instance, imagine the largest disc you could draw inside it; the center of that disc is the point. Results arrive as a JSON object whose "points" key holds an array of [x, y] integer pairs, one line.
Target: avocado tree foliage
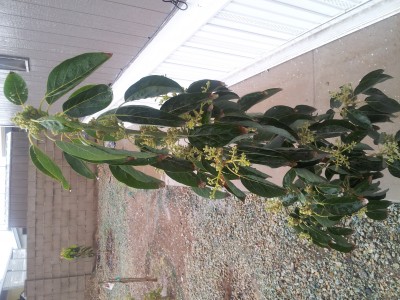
{"points": [[205, 138]]}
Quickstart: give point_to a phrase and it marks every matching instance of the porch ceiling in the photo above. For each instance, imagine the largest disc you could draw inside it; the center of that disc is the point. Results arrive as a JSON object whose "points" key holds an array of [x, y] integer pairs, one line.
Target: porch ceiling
{"points": [[228, 40], [50, 31], [232, 40]]}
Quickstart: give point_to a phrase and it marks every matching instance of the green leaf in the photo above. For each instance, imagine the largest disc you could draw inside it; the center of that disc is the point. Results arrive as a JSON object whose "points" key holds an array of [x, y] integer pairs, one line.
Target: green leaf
{"points": [[206, 193], [378, 215], [376, 196], [55, 124], [234, 190], [47, 166], [185, 103], [367, 164], [317, 234], [276, 130], [397, 136], [375, 116], [81, 89], [249, 100], [355, 136], [335, 103], [79, 166], [377, 175], [252, 171], [289, 199], [152, 86], [173, 164], [329, 173], [226, 95], [132, 154], [107, 113], [262, 187], [89, 153], [205, 86], [304, 109], [88, 101], [296, 120], [309, 176], [186, 178], [341, 244], [329, 188], [38, 164], [341, 206], [71, 72], [301, 154], [340, 230], [378, 205], [359, 118], [226, 107], [332, 128], [363, 147], [15, 89], [361, 187], [372, 189], [369, 80], [130, 161], [394, 168], [272, 125], [100, 154], [382, 103], [289, 178], [328, 115], [135, 178], [325, 221], [213, 135], [140, 114], [264, 156], [338, 170], [279, 111]]}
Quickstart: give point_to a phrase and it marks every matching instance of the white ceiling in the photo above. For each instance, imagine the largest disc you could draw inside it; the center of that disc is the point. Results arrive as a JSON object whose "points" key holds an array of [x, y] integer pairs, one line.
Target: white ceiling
{"points": [[228, 40], [50, 31], [231, 40]]}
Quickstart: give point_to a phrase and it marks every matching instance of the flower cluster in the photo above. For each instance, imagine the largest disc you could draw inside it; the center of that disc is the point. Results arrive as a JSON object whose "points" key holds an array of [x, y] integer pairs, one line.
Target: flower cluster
{"points": [[75, 251], [147, 137], [110, 124], [306, 136], [390, 149], [293, 222], [306, 210], [27, 119], [274, 205], [338, 155], [345, 96], [220, 161], [305, 236]]}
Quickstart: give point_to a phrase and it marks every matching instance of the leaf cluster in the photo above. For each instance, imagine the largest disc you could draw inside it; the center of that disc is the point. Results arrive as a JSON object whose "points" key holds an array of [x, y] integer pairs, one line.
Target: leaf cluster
{"points": [[205, 137]]}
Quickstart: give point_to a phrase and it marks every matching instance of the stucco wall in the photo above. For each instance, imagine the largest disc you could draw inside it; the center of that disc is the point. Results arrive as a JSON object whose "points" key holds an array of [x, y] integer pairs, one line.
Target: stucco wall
{"points": [[307, 79]]}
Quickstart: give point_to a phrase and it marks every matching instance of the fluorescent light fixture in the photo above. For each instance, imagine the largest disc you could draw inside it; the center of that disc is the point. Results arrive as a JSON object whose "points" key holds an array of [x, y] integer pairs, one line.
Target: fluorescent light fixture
{"points": [[14, 63]]}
